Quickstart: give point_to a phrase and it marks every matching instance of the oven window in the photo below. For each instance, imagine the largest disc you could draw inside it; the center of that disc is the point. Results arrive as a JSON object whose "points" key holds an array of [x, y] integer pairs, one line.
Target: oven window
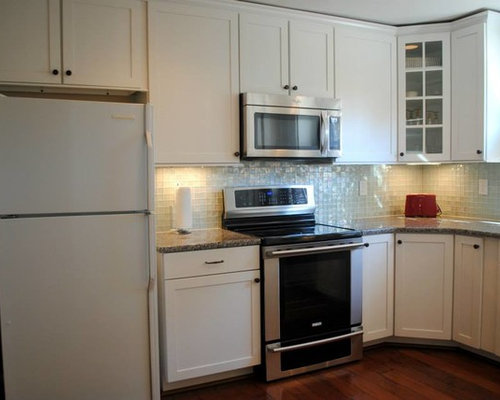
{"points": [[287, 132], [314, 294]]}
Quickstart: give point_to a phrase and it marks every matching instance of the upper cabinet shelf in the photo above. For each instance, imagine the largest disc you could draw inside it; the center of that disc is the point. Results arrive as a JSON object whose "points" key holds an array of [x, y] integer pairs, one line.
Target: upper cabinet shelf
{"points": [[85, 43]]}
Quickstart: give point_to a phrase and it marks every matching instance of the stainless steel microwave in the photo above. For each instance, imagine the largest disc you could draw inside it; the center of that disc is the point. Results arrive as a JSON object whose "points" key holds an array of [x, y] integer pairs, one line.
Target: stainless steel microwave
{"points": [[295, 127]]}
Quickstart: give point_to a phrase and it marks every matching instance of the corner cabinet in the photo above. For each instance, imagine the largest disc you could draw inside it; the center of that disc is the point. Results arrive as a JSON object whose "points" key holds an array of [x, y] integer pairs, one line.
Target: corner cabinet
{"points": [[283, 56], [468, 288], [424, 286], [209, 312], [193, 64], [475, 64], [378, 287], [365, 73], [424, 97], [74, 43]]}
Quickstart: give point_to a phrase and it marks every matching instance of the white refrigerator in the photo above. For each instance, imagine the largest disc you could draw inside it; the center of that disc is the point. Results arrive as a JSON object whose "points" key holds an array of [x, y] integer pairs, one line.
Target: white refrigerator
{"points": [[77, 251]]}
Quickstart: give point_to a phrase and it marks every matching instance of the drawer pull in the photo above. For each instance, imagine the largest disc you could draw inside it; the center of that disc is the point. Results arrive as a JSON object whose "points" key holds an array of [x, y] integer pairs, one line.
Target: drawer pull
{"points": [[214, 262]]}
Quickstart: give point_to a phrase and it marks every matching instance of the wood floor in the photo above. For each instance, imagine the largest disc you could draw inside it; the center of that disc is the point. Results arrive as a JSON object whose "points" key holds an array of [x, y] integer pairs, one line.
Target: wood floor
{"points": [[384, 373]]}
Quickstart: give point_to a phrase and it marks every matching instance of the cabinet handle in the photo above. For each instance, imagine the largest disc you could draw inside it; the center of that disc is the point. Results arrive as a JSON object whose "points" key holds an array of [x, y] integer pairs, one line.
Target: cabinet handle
{"points": [[479, 151], [476, 246], [236, 153], [256, 280], [286, 87], [295, 87], [400, 242], [214, 262], [401, 154], [68, 72], [55, 72]]}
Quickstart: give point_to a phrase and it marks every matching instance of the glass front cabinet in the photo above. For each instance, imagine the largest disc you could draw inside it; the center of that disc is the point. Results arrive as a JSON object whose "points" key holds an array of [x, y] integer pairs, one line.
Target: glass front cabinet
{"points": [[424, 97]]}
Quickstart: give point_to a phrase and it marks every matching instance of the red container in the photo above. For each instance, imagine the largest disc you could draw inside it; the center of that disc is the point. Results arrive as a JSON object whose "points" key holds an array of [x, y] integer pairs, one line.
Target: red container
{"points": [[421, 205]]}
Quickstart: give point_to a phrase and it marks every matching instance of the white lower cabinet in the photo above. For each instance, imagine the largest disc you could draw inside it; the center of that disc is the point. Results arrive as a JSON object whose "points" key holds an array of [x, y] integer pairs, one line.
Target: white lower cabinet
{"points": [[210, 312], [378, 287], [490, 313], [424, 286], [468, 287]]}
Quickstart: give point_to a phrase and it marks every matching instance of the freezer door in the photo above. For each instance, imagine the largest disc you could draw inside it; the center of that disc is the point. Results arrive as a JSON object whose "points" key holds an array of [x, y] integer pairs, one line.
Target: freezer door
{"points": [[61, 156], [74, 307]]}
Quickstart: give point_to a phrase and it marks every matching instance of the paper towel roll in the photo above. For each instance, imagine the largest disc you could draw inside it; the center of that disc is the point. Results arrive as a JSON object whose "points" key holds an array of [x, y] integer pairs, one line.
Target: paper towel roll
{"points": [[183, 210]]}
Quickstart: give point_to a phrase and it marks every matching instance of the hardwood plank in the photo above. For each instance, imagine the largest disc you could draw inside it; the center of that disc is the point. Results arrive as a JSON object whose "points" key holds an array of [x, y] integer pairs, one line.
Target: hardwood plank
{"points": [[388, 373]]}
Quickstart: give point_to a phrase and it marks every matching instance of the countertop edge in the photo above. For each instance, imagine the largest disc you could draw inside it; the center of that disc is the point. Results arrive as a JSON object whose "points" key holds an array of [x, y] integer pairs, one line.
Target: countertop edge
{"points": [[208, 246]]}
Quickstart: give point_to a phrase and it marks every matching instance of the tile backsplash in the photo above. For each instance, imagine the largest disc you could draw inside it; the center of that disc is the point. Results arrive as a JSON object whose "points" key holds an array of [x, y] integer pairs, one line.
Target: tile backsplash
{"points": [[336, 188], [457, 189]]}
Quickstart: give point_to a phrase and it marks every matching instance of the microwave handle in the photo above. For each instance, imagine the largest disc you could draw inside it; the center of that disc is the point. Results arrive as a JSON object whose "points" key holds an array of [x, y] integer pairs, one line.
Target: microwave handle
{"points": [[324, 133]]}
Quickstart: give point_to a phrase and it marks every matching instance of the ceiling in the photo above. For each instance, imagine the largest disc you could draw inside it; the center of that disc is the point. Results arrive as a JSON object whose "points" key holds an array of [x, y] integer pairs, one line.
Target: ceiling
{"points": [[392, 12]]}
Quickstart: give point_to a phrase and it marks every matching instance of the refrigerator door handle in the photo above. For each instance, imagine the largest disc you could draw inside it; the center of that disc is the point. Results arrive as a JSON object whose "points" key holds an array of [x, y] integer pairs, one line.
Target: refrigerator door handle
{"points": [[151, 166]]}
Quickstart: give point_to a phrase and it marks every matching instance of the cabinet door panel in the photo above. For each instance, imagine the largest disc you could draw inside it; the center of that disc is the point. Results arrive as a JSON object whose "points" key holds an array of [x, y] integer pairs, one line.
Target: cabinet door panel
{"points": [[311, 59], [468, 89], [263, 54], [212, 324], [30, 41], [467, 297], [424, 286], [365, 71], [424, 97], [378, 287], [194, 83], [104, 43]]}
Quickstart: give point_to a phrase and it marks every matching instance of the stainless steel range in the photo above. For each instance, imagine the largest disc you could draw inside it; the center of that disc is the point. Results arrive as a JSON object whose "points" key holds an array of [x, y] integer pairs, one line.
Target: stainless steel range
{"points": [[311, 279]]}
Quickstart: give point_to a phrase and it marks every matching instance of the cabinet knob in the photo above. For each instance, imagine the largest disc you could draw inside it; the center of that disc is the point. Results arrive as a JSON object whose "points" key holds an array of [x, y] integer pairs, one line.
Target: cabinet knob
{"points": [[295, 87], [400, 242], [68, 72], [476, 246], [256, 280], [236, 153], [55, 72], [286, 87], [401, 154], [479, 151]]}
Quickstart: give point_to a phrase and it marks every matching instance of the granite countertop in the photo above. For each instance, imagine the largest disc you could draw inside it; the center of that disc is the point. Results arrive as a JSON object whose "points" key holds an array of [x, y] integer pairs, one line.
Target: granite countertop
{"points": [[454, 225], [201, 239]]}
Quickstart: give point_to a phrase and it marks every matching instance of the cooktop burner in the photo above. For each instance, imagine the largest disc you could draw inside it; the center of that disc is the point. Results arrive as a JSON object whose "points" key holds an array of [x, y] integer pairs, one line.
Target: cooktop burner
{"points": [[278, 215], [317, 232]]}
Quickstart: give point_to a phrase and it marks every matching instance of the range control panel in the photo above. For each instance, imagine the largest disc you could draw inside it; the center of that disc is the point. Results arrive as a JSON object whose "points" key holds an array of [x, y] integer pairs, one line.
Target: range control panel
{"points": [[265, 197]]}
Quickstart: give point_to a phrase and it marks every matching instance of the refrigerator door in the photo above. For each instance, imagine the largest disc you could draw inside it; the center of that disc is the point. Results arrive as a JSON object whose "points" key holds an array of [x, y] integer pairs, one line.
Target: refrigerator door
{"points": [[62, 156], [74, 307]]}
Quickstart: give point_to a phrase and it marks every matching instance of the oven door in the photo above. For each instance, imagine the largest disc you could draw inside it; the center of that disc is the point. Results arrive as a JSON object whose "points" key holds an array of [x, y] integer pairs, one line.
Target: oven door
{"points": [[281, 132], [312, 306]]}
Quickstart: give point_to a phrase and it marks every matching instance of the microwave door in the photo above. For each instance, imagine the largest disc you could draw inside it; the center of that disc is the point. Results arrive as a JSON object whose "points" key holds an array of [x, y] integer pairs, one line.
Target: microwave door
{"points": [[276, 132]]}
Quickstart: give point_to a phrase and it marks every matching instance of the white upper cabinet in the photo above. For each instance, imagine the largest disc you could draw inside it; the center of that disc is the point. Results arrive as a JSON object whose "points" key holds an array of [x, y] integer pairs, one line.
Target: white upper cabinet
{"points": [[30, 41], [283, 56], [74, 42], [104, 43], [311, 59], [263, 54], [475, 44], [424, 97], [193, 60], [366, 82]]}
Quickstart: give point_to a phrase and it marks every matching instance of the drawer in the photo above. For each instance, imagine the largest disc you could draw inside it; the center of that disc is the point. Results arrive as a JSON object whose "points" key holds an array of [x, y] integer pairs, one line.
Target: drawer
{"points": [[209, 262]]}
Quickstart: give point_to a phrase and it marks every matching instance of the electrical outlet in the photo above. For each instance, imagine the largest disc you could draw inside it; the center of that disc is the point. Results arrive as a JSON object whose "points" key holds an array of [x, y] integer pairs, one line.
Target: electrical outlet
{"points": [[483, 187], [363, 188]]}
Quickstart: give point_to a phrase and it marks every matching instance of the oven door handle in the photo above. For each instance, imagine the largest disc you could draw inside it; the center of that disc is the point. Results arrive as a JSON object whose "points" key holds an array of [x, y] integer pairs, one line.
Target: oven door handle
{"points": [[310, 250], [275, 347]]}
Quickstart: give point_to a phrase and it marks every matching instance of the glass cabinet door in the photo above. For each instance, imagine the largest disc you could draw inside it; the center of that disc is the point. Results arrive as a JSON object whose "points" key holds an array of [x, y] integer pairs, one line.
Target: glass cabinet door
{"points": [[424, 98]]}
